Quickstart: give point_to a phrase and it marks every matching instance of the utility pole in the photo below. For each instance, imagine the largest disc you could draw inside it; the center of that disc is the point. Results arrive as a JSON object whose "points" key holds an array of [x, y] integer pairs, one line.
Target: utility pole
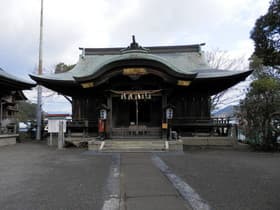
{"points": [[40, 71]]}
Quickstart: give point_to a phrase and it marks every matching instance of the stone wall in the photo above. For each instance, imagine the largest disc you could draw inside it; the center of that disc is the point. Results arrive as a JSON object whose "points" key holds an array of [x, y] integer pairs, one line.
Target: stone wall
{"points": [[8, 139], [208, 141]]}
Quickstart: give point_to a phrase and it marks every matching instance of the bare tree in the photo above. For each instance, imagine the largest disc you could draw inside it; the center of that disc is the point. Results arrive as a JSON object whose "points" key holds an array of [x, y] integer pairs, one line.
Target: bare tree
{"points": [[223, 60], [55, 69]]}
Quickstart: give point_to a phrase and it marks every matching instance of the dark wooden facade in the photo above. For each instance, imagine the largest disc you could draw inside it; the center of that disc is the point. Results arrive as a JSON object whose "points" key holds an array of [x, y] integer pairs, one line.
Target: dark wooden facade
{"points": [[151, 112]]}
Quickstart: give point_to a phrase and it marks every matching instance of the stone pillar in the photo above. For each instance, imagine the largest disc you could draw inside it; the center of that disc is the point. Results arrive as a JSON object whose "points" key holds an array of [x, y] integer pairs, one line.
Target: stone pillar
{"points": [[60, 143], [234, 134], [50, 142]]}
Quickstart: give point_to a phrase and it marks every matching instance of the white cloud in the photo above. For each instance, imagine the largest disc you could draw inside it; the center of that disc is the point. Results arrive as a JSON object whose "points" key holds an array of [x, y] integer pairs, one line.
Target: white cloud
{"points": [[69, 24], [243, 48]]}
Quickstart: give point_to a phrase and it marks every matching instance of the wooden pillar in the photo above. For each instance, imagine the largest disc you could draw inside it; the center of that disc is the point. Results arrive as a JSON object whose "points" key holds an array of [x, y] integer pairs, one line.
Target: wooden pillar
{"points": [[137, 112], [164, 104], [109, 124], [163, 118], [76, 108]]}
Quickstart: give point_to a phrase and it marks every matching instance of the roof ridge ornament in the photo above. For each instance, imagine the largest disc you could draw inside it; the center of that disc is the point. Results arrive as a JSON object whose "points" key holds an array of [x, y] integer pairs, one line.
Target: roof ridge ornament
{"points": [[134, 47]]}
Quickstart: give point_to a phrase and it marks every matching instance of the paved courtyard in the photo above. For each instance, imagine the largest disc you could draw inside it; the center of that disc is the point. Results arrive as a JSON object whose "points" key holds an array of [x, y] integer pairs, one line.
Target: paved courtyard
{"points": [[35, 176], [231, 179]]}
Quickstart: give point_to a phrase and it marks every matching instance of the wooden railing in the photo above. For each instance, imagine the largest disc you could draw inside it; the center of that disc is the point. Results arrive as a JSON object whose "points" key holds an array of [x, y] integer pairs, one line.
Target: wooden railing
{"points": [[194, 126], [81, 127], [140, 131], [81, 124], [202, 126], [191, 121]]}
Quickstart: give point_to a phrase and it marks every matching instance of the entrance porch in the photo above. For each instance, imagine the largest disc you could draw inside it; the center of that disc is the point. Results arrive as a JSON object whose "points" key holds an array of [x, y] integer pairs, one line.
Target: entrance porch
{"points": [[140, 118]]}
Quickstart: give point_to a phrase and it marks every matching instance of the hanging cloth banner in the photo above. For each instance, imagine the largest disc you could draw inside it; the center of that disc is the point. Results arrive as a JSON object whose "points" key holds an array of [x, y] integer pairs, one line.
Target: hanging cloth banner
{"points": [[136, 94]]}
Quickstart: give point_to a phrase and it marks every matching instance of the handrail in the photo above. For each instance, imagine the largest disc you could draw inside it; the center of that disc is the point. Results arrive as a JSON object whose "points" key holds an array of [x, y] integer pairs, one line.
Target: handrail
{"points": [[201, 121]]}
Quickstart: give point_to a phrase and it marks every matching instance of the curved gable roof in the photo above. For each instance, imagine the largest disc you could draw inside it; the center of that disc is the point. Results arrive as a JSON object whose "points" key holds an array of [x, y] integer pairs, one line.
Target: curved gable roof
{"points": [[14, 83], [181, 64], [186, 62], [132, 59]]}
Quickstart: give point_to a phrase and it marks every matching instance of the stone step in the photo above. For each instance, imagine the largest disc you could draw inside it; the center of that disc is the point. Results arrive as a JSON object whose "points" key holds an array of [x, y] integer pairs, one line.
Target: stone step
{"points": [[133, 146], [134, 143]]}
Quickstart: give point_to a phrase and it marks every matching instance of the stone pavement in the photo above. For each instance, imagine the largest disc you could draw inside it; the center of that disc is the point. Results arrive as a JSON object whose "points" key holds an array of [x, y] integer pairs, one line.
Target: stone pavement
{"points": [[35, 176], [143, 186], [230, 179]]}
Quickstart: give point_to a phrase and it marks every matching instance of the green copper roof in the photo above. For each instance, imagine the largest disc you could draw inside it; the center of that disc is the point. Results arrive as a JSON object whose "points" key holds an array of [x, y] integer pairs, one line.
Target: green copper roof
{"points": [[181, 61], [9, 80], [214, 73], [173, 64]]}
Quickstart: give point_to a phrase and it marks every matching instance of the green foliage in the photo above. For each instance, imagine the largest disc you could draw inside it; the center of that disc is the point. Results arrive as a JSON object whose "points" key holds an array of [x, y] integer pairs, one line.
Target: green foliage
{"points": [[62, 67], [27, 111], [266, 35], [256, 64], [262, 100], [263, 97], [264, 86]]}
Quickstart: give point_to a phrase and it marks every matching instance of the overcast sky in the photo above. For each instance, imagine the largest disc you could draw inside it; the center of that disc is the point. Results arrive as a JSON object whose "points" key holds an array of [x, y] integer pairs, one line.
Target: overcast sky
{"points": [[70, 24]]}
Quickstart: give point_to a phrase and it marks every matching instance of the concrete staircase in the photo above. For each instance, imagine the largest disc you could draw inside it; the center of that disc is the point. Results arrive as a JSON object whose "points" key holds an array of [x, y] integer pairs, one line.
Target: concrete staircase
{"points": [[133, 146]]}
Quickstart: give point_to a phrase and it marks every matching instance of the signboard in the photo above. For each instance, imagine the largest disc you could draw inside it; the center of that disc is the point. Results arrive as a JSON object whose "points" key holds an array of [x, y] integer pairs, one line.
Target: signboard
{"points": [[53, 125], [87, 85], [183, 83], [134, 71]]}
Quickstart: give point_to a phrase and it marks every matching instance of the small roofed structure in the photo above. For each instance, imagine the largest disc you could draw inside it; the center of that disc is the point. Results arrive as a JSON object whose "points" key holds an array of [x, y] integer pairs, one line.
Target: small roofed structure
{"points": [[136, 87], [10, 92]]}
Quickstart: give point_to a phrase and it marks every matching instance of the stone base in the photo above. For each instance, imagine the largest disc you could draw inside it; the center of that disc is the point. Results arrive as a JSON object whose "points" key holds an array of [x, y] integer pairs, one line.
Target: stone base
{"points": [[8, 139], [94, 145], [208, 142], [175, 146], [127, 145], [52, 141], [135, 146]]}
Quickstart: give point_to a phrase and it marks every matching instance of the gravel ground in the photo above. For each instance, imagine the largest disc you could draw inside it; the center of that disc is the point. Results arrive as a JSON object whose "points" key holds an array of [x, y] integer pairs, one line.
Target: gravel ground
{"points": [[35, 176], [231, 179]]}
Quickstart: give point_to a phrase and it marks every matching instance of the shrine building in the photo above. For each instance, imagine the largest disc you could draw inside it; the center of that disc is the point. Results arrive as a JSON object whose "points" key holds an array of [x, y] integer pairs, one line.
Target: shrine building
{"points": [[142, 92], [11, 92]]}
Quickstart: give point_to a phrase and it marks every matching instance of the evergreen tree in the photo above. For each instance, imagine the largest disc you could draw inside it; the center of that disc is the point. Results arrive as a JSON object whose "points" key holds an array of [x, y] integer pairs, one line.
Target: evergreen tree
{"points": [[62, 67], [263, 97], [262, 100], [27, 111], [266, 35]]}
